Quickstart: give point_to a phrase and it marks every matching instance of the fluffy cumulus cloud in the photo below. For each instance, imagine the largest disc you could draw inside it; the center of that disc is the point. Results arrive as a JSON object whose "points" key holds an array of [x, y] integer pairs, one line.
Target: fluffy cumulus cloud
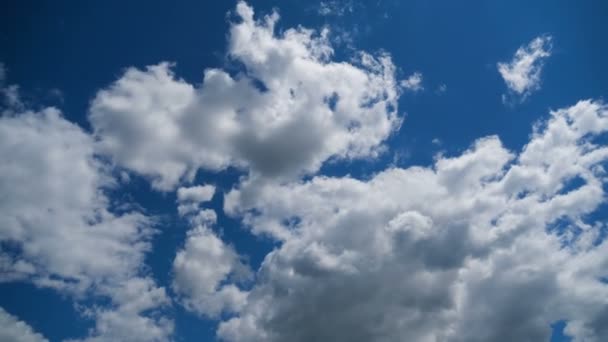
{"points": [[522, 73], [135, 314], [489, 245], [2, 73], [14, 330], [58, 230], [289, 109], [205, 272], [198, 194]]}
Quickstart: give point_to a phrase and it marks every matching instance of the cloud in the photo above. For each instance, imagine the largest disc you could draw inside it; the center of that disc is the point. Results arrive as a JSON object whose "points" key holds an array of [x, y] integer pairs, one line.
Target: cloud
{"points": [[490, 245], [14, 330], [135, 314], [522, 73], [413, 83], [2, 73], [190, 198], [204, 271], [290, 109], [58, 230], [335, 8]]}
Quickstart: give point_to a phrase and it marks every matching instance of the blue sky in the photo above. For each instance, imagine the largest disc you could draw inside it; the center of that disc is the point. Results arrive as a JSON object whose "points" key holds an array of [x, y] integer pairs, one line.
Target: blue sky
{"points": [[72, 56]]}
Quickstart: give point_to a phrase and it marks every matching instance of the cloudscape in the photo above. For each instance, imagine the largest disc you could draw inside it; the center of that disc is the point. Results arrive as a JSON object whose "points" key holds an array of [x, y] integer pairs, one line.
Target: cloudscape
{"points": [[304, 171]]}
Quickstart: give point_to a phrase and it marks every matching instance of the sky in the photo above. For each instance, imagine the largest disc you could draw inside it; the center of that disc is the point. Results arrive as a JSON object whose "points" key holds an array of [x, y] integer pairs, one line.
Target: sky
{"points": [[303, 171]]}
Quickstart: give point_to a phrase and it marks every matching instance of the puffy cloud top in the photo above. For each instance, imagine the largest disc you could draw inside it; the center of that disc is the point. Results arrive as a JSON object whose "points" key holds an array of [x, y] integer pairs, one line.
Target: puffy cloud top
{"points": [[290, 109], [56, 219], [472, 249]]}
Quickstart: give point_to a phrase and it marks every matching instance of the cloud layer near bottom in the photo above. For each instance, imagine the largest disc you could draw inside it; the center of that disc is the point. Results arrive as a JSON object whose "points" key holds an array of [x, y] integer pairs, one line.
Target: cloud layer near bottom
{"points": [[485, 246], [488, 245]]}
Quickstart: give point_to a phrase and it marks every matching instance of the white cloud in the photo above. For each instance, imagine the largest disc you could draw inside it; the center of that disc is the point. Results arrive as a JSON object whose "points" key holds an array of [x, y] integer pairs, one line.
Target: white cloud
{"points": [[125, 320], [55, 216], [190, 198], [309, 109], [204, 274], [522, 73], [335, 8], [490, 245], [198, 194], [14, 330], [413, 83], [471, 249]]}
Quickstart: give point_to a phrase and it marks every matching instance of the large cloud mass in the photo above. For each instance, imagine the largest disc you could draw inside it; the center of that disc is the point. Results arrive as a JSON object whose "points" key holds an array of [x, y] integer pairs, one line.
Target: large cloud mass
{"points": [[290, 109], [488, 245], [485, 246]]}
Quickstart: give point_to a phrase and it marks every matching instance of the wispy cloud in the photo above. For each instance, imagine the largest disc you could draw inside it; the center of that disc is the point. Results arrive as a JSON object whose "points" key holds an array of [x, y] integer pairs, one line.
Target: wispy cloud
{"points": [[335, 8], [413, 83], [522, 73]]}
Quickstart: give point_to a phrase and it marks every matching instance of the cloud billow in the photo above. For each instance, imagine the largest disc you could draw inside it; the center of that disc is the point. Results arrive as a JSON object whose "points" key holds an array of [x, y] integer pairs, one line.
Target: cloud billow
{"points": [[487, 245], [460, 251], [308, 110]]}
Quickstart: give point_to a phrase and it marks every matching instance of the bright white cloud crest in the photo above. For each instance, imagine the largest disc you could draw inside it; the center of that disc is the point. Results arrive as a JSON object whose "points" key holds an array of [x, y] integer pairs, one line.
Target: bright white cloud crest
{"points": [[58, 232], [290, 109], [489, 245]]}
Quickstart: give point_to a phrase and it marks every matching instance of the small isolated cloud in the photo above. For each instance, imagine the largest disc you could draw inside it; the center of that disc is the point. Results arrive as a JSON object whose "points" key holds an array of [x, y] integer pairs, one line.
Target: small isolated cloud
{"points": [[335, 8], [522, 73], [413, 83], [55, 211], [203, 273]]}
